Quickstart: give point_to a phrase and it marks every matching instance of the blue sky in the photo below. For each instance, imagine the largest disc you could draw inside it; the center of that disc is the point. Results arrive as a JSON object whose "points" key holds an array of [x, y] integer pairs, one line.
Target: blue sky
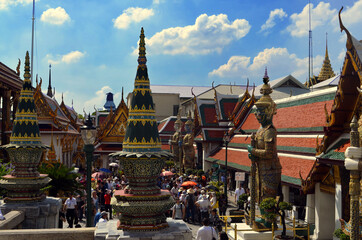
{"points": [[92, 45]]}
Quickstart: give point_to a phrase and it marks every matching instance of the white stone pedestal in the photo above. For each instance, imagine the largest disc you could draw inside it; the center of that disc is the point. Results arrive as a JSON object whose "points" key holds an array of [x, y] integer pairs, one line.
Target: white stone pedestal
{"points": [[178, 230], [245, 233], [38, 215]]}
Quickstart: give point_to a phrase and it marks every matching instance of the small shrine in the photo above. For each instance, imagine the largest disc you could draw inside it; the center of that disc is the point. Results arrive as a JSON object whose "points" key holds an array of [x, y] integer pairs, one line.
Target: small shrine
{"points": [[24, 185], [142, 205]]}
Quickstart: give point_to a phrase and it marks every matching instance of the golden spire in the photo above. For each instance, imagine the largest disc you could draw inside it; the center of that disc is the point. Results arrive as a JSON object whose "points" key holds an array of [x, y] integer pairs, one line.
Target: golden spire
{"points": [[51, 152], [326, 70], [142, 49]]}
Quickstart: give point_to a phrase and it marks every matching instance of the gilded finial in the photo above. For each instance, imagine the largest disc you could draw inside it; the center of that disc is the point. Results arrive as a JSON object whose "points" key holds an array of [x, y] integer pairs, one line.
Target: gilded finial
{"points": [[142, 49], [18, 68], [178, 120], [326, 45], [122, 93], [27, 67], [189, 119], [343, 28], [266, 78], [266, 101], [62, 98]]}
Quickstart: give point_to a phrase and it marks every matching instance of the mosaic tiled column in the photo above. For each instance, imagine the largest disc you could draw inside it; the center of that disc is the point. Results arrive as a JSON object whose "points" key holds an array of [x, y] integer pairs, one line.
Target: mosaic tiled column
{"points": [[25, 149], [142, 204]]}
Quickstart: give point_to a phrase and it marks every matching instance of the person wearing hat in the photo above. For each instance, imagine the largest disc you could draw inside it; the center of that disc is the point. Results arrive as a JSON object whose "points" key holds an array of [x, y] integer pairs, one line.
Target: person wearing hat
{"points": [[104, 217], [178, 210], [100, 217], [190, 205], [204, 206]]}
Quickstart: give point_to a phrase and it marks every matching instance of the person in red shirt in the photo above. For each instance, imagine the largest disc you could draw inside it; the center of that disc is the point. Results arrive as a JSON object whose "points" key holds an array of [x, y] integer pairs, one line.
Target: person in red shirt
{"points": [[107, 203]]}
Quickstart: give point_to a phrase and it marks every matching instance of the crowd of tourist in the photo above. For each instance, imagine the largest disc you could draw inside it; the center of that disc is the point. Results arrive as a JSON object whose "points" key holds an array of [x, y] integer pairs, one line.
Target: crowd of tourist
{"points": [[196, 201]]}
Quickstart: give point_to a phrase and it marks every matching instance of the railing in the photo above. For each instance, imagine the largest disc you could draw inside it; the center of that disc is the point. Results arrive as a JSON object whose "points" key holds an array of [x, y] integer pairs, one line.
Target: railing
{"points": [[294, 227]]}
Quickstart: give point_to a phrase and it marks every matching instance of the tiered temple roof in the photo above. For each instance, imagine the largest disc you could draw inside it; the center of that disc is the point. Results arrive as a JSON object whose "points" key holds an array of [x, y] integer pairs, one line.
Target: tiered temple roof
{"points": [[110, 134], [325, 73]]}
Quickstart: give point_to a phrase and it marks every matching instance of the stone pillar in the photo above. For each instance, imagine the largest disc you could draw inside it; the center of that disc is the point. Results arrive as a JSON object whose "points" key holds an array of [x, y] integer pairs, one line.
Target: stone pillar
{"points": [[310, 209], [285, 190], [324, 214], [338, 206], [5, 123]]}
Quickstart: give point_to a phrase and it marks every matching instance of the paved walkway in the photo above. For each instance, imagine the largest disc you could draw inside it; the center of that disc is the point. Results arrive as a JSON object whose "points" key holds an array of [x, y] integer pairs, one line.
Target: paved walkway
{"points": [[194, 227]]}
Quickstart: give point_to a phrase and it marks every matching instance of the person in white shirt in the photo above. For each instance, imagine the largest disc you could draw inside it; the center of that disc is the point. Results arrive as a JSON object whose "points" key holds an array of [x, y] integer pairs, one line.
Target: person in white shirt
{"points": [[206, 232], [239, 192], [104, 217], [178, 210], [204, 206], [70, 205]]}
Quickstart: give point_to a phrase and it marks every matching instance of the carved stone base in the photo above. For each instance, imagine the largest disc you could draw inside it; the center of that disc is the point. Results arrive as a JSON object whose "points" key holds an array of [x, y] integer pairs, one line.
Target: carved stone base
{"points": [[142, 213], [24, 189]]}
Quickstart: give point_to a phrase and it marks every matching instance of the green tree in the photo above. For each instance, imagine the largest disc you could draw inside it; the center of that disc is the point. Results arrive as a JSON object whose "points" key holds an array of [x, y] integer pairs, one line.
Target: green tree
{"points": [[63, 179]]}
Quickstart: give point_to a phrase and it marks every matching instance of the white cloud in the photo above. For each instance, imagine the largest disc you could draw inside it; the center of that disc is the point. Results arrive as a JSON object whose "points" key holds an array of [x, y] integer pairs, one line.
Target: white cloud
{"points": [[321, 15], [278, 60], [208, 34], [350, 16], [100, 98], [5, 4], [71, 57], [55, 16], [156, 1], [342, 55], [132, 15], [276, 13]]}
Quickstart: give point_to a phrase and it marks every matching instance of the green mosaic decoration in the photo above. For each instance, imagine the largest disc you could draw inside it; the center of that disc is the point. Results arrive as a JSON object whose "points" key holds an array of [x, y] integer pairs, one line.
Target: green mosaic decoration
{"points": [[142, 204], [25, 149]]}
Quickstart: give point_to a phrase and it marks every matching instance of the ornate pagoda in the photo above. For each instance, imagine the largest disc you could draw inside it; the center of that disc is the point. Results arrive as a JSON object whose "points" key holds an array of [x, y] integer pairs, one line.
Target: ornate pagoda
{"points": [[142, 205], [25, 149]]}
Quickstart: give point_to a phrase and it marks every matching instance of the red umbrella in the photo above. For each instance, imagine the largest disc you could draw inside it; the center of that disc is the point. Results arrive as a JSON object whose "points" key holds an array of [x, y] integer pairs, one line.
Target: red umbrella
{"points": [[188, 184], [166, 173]]}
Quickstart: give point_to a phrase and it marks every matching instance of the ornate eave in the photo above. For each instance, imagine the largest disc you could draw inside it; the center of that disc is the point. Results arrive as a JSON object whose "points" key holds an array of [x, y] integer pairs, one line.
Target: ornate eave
{"points": [[73, 121], [346, 101], [45, 111], [113, 129]]}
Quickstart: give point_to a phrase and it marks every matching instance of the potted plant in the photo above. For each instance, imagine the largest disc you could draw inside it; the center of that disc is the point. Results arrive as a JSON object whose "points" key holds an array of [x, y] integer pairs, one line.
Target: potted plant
{"points": [[272, 208], [243, 198], [340, 234]]}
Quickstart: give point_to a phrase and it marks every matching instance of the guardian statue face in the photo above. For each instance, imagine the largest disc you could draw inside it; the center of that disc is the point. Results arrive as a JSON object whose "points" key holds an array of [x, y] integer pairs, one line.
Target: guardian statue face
{"points": [[177, 127], [264, 115]]}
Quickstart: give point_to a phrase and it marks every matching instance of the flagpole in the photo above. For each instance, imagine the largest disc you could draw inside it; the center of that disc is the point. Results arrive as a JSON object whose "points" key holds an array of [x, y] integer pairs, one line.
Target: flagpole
{"points": [[32, 44]]}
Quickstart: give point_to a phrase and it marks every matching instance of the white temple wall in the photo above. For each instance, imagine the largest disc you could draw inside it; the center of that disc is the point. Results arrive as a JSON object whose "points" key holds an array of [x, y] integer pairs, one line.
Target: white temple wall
{"points": [[324, 214], [338, 206]]}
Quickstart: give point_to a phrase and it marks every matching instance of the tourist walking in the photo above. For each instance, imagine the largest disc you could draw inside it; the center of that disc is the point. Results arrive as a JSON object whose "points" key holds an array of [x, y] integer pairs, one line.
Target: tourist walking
{"points": [[190, 205], [70, 208], [107, 203], [178, 210], [204, 206], [222, 205], [239, 192], [206, 232]]}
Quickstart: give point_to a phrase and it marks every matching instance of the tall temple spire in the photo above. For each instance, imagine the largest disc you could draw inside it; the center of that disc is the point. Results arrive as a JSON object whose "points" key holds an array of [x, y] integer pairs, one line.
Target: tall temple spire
{"points": [[25, 127], [50, 92], [326, 70], [141, 132]]}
